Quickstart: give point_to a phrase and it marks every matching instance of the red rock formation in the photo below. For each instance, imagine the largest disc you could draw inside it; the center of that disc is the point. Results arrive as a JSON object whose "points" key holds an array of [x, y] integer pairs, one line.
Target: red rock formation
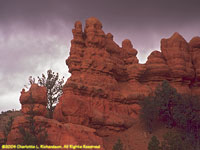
{"points": [[92, 94], [129, 53], [107, 81], [58, 134], [177, 53], [101, 97], [36, 97], [195, 50], [156, 68], [2, 138]]}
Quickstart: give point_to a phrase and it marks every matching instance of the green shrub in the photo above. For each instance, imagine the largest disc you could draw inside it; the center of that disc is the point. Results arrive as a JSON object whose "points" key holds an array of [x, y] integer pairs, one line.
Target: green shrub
{"points": [[173, 110], [7, 128], [166, 98], [149, 112], [154, 144], [31, 135], [118, 145], [177, 141], [186, 113], [160, 106]]}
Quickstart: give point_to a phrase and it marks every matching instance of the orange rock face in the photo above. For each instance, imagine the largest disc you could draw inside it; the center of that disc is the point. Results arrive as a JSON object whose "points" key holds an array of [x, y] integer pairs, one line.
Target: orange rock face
{"points": [[36, 97], [101, 97], [58, 134], [195, 50], [107, 82], [92, 95], [179, 59], [178, 56]]}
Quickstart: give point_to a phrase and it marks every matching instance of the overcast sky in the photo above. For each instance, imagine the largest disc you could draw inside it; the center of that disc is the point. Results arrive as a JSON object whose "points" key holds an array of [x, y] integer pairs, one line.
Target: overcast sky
{"points": [[35, 35]]}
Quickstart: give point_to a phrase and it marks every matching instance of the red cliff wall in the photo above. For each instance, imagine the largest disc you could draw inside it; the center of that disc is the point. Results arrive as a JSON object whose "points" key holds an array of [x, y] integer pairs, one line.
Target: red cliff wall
{"points": [[107, 82]]}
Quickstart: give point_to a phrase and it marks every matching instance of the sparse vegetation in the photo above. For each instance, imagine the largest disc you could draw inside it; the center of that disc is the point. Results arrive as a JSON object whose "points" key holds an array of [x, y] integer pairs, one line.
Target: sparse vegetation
{"points": [[8, 111], [54, 87], [154, 144], [174, 111], [6, 120], [172, 140], [32, 135], [118, 145], [149, 113], [7, 128], [176, 141]]}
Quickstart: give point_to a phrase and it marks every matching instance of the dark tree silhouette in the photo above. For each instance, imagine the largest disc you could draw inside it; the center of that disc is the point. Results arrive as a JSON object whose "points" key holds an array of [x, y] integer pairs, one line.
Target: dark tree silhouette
{"points": [[7, 128], [118, 145], [154, 144]]}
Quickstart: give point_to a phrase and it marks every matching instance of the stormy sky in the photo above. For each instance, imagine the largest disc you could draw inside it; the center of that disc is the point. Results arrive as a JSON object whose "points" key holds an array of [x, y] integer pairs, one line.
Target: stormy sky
{"points": [[35, 35]]}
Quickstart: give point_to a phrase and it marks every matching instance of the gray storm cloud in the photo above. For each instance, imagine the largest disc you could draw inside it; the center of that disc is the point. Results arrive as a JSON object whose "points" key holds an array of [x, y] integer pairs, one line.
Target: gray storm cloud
{"points": [[35, 35], [27, 52]]}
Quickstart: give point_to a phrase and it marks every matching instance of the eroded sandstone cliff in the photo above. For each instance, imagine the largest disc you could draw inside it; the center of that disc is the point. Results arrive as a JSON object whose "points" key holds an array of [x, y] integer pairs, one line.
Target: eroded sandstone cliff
{"points": [[107, 82]]}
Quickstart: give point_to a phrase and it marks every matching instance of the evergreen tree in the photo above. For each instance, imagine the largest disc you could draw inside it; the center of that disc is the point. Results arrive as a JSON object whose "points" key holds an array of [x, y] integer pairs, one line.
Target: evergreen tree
{"points": [[31, 135], [54, 87], [160, 106], [154, 144], [174, 110], [118, 145], [187, 117], [176, 141], [7, 128], [149, 112], [166, 97]]}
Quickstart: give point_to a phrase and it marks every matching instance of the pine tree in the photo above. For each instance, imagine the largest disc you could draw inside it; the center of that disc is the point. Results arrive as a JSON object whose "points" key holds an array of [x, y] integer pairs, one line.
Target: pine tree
{"points": [[54, 87], [118, 145], [166, 97], [31, 135], [177, 141], [7, 128], [149, 112], [154, 144]]}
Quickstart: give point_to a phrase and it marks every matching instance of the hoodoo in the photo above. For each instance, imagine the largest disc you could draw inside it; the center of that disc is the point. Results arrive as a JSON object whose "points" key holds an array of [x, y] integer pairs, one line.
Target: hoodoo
{"points": [[106, 84]]}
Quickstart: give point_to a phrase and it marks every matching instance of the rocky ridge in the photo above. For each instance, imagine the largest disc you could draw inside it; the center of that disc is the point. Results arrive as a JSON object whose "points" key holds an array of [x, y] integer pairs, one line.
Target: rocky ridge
{"points": [[107, 82]]}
